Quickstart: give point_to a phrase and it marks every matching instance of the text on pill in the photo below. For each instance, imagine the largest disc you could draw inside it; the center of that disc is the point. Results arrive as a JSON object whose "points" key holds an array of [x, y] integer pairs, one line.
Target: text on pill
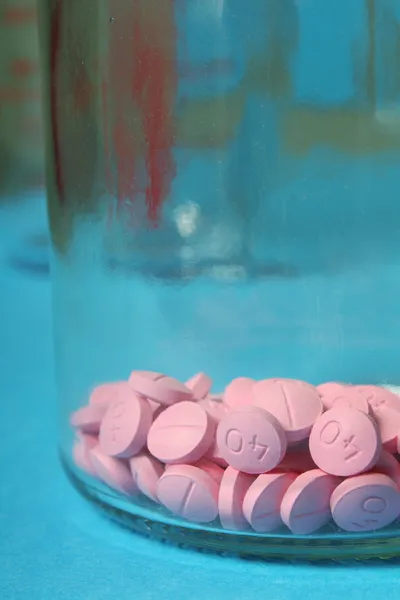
{"points": [[330, 434], [234, 441]]}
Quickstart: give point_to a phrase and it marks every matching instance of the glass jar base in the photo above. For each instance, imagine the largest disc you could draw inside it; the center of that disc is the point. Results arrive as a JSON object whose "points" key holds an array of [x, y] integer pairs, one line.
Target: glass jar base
{"points": [[143, 519]]}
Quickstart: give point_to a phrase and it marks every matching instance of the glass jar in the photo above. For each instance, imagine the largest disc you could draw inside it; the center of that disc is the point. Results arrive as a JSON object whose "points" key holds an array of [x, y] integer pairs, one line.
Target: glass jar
{"points": [[222, 181], [21, 126]]}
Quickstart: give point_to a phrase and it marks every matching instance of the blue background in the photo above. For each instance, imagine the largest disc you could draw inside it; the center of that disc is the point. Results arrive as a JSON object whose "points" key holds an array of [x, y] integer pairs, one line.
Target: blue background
{"points": [[53, 545]]}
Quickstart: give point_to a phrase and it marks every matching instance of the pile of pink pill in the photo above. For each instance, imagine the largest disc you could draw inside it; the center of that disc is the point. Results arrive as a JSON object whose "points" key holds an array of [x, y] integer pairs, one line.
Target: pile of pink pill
{"points": [[259, 456]]}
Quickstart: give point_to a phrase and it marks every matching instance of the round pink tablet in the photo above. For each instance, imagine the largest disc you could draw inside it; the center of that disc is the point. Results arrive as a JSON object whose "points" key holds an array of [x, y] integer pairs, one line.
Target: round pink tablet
{"points": [[262, 503], [379, 397], [81, 458], [124, 428], [216, 397], [216, 410], [296, 405], [385, 410], [107, 393], [339, 395], [189, 492], [88, 418], [113, 471], [212, 469], [156, 407], [251, 440], [331, 387], [207, 466], [388, 465], [388, 422], [239, 392], [146, 471], [298, 460], [199, 385], [165, 390], [345, 441], [232, 491], [181, 434], [214, 455], [81, 452], [305, 505], [90, 441], [365, 503], [151, 375]]}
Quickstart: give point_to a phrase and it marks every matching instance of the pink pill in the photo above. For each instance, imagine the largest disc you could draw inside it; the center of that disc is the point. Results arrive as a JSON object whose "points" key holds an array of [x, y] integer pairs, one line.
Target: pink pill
{"points": [[298, 460], [216, 397], [345, 441], [156, 408], [88, 418], [181, 434], [216, 410], [296, 405], [212, 469], [305, 506], [239, 392], [232, 491], [388, 465], [113, 471], [151, 375], [251, 440], [165, 390], [146, 471], [330, 387], [207, 466], [81, 452], [189, 492], [89, 440], [107, 393], [262, 503], [336, 395], [199, 385], [365, 503], [124, 428], [81, 458], [385, 410], [214, 455], [379, 397], [388, 422]]}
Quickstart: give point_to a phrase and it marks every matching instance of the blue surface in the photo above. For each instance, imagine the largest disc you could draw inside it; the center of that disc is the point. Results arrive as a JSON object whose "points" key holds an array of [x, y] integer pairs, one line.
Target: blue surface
{"points": [[53, 545]]}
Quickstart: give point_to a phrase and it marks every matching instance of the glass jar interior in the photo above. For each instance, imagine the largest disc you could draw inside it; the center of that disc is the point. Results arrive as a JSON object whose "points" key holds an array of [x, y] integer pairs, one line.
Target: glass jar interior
{"points": [[235, 215]]}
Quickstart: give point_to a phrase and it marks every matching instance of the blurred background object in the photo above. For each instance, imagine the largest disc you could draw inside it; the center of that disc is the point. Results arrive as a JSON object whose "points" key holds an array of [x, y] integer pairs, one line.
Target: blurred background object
{"points": [[22, 188], [21, 133]]}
